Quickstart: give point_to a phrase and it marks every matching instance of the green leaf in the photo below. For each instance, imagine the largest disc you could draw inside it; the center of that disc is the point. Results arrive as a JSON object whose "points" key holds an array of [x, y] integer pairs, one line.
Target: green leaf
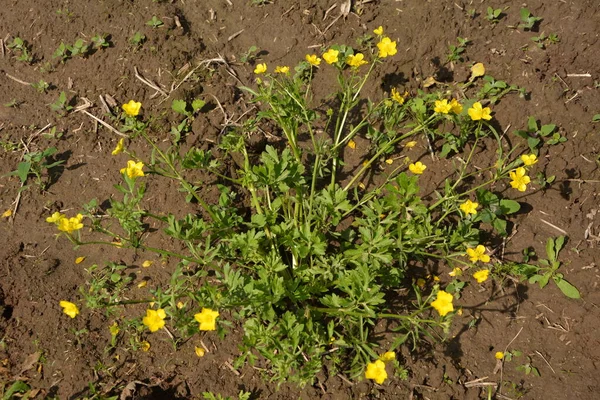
{"points": [[198, 104], [547, 129], [23, 170], [568, 289], [525, 13], [596, 118], [509, 206], [179, 106], [550, 249], [532, 124], [17, 387]]}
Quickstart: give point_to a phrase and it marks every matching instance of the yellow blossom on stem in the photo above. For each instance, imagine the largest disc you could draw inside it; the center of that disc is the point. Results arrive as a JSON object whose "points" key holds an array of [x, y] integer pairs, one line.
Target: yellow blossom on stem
{"points": [[455, 272], [397, 97], [477, 112], [378, 31], [55, 218], [133, 169], [417, 168], [114, 329], [69, 308], [331, 56], [519, 179], [119, 148], [469, 207], [499, 355], [70, 225], [455, 106], [132, 108], [477, 70], [442, 106], [376, 371], [313, 60], [260, 69], [388, 356], [529, 159], [482, 275], [282, 70], [386, 47], [155, 319], [478, 254], [356, 60], [207, 319], [443, 303]]}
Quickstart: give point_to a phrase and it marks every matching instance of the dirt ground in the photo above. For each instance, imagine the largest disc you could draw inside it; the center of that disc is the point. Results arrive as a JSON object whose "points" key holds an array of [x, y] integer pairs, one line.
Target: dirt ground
{"points": [[556, 335]]}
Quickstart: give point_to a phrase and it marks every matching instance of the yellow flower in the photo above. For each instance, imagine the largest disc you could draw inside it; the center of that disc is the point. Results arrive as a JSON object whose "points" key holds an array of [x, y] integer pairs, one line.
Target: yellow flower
{"points": [[260, 68], [386, 47], [199, 351], [351, 144], [482, 275], [410, 145], [376, 371], [55, 218], [455, 106], [69, 308], [469, 207], [417, 168], [455, 272], [443, 303], [313, 59], [142, 284], [145, 346], [499, 355], [79, 260], [478, 254], [180, 305], [529, 159], [378, 31], [389, 161], [477, 70], [147, 263], [396, 96], [119, 148], [388, 356], [282, 70], [519, 179], [207, 319], [442, 106], [155, 320], [478, 113], [132, 108], [133, 169], [331, 56], [355, 60], [114, 329], [70, 224], [7, 213]]}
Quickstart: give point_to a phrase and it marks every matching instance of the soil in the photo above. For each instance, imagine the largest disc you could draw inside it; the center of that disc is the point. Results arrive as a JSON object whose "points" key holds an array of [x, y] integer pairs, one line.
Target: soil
{"points": [[60, 357]]}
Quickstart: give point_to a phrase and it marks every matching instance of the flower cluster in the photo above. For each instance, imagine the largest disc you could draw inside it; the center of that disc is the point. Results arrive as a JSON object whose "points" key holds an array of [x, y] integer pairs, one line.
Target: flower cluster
{"points": [[65, 224], [376, 370]]}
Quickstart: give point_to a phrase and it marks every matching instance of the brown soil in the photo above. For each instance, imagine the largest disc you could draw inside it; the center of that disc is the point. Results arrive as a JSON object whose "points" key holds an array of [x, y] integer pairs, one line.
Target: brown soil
{"points": [[559, 335]]}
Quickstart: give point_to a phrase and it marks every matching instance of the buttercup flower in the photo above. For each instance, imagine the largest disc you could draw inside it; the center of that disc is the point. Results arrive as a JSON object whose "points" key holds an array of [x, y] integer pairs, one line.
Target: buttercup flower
{"points": [[477, 70], [469, 207], [119, 148], [69, 308], [529, 159], [351, 144], [55, 218], [355, 60], [260, 69], [331, 56], [313, 59], [455, 106], [133, 169], [482, 275], [519, 179], [396, 96], [499, 355], [70, 224], [282, 70], [155, 319], [388, 356], [442, 106], [207, 319], [199, 351], [145, 346], [478, 254], [378, 31], [114, 329], [417, 168], [132, 108], [477, 112], [376, 371], [386, 47], [443, 303], [455, 272]]}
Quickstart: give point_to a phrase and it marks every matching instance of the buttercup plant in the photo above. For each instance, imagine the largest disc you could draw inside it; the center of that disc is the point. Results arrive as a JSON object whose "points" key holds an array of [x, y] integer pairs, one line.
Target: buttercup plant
{"points": [[309, 261]]}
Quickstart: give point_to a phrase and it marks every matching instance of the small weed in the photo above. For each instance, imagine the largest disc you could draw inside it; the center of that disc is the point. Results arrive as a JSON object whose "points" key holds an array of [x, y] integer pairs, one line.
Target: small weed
{"points": [[494, 15], [137, 40], [34, 164], [61, 105], [494, 89], [101, 41], [53, 134], [41, 86], [242, 395], [13, 391], [528, 21], [542, 39], [534, 134], [543, 181], [250, 55], [65, 12], [456, 51], [528, 368], [14, 103], [155, 22], [23, 49], [187, 110]]}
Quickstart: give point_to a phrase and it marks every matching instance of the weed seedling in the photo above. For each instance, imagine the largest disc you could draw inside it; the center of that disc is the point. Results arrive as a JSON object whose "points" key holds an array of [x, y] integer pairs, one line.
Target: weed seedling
{"points": [[154, 22], [61, 105], [456, 51], [41, 86], [494, 15], [528, 21], [34, 164], [23, 48], [100, 41], [137, 39], [250, 55]]}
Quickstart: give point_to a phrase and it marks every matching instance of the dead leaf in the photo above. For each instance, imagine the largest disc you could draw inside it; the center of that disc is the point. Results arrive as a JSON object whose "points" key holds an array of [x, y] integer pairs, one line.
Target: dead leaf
{"points": [[429, 82], [30, 361], [345, 8]]}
